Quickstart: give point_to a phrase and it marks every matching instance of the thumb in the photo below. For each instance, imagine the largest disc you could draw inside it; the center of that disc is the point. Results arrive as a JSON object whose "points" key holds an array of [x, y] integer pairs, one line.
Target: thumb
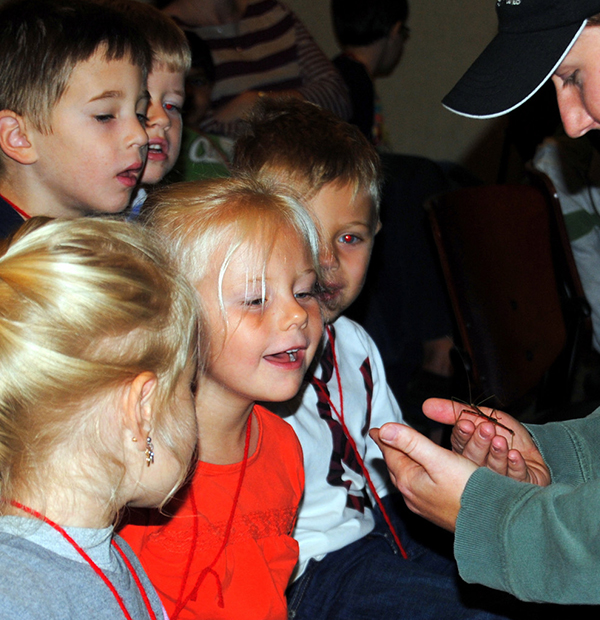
{"points": [[440, 410], [409, 441]]}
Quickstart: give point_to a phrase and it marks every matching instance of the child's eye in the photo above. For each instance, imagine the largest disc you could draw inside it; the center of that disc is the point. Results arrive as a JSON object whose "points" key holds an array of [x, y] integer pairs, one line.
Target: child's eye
{"points": [[171, 107], [142, 118], [349, 239], [256, 302], [104, 118], [309, 291]]}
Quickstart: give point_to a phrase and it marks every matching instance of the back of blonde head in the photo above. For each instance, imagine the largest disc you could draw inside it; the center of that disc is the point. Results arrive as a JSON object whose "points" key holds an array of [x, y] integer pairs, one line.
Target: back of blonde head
{"points": [[202, 222], [85, 306]]}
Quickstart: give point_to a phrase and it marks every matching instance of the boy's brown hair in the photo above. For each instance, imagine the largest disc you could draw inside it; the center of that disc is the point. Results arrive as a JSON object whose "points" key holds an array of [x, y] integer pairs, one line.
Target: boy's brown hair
{"points": [[170, 49], [293, 142], [41, 42]]}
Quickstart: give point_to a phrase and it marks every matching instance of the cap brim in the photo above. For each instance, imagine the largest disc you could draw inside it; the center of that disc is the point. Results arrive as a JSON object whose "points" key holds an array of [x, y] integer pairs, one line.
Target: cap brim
{"points": [[511, 69]]}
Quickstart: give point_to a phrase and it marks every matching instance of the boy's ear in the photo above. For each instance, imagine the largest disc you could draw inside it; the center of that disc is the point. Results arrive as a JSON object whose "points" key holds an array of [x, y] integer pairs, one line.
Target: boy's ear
{"points": [[138, 406], [14, 139]]}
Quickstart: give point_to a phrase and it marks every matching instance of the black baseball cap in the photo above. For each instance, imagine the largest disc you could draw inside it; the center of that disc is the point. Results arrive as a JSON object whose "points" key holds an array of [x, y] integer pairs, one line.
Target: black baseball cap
{"points": [[533, 38]]}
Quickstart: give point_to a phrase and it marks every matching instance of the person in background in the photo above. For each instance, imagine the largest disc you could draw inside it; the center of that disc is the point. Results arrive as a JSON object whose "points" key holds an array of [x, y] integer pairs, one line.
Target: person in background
{"points": [[371, 35], [524, 504], [404, 306], [574, 169], [258, 47], [171, 60], [203, 155]]}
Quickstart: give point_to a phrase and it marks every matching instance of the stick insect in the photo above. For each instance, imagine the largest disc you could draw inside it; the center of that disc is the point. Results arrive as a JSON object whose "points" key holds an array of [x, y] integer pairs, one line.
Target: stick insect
{"points": [[471, 408], [491, 417]]}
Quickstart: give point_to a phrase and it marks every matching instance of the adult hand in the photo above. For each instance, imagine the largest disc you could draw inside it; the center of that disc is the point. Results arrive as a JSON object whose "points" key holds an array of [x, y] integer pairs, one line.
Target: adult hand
{"points": [[431, 479], [505, 447]]}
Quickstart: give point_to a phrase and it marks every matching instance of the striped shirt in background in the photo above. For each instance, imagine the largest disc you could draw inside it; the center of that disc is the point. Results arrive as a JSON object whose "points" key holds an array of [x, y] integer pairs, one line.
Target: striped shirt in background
{"points": [[270, 49]]}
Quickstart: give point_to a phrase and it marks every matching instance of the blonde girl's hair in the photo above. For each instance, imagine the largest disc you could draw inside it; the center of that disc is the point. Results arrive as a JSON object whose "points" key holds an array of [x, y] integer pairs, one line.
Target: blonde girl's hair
{"points": [[203, 221], [85, 306]]}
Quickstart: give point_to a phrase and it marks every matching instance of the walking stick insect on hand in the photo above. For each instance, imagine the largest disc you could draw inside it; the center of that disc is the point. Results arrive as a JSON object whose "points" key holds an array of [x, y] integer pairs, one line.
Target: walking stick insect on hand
{"points": [[491, 417]]}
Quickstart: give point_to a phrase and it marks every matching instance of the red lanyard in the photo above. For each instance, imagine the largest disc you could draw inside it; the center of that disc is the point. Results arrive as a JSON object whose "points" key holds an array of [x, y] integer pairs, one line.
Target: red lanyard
{"points": [[22, 213], [181, 600], [340, 416], [97, 569]]}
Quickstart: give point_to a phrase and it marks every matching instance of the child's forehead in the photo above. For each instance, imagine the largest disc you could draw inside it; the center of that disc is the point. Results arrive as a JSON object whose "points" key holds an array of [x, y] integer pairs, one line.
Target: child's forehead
{"points": [[162, 81], [258, 253], [343, 201], [166, 72], [95, 80], [98, 72]]}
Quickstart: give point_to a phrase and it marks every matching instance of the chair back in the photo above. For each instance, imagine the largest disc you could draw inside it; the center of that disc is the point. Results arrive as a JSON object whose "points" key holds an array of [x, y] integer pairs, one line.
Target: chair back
{"points": [[504, 264]]}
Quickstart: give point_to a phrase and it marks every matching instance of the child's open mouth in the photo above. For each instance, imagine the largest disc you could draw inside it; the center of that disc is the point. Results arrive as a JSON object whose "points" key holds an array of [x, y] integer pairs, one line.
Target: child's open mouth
{"points": [[158, 149], [287, 358], [329, 292], [129, 177]]}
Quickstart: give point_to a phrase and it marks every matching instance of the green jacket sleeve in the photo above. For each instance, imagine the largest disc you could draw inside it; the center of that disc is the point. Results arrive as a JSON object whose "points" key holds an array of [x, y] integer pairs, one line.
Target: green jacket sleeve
{"points": [[538, 543]]}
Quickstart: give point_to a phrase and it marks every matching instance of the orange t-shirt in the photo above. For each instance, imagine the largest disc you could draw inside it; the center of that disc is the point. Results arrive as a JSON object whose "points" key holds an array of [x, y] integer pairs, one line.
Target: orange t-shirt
{"points": [[255, 566]]}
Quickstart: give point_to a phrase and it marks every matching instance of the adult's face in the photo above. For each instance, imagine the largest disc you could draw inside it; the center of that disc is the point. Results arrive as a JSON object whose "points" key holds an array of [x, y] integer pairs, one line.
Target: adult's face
{"points": [[577, 83]]}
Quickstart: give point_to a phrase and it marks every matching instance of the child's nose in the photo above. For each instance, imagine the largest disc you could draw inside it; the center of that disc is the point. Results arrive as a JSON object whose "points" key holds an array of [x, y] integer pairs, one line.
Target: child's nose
{"points": [[328, 258], [137, 135], [158, 117], [294, 315]]}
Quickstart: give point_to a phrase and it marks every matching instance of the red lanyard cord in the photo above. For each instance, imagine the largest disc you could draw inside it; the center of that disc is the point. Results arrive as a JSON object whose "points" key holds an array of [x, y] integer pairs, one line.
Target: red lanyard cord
{"points": [[22, 213], [340, 416], [182, 602], [95, 567]]}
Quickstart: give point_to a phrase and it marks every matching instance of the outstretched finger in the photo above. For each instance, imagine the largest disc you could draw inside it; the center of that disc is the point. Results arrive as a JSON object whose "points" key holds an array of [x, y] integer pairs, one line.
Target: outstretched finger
{"points": [[440, 410], [407, 440], [431, 459], [396, 459], [432, 479]]}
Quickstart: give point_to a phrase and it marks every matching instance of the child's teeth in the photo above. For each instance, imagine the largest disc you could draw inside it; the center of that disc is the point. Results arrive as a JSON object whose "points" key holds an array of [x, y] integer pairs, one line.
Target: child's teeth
{"points": [[292, 355]]}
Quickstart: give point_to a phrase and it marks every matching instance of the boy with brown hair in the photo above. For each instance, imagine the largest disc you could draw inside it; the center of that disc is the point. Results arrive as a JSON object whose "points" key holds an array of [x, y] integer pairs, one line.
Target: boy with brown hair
{"points": [[356, 559], [73, 101]]}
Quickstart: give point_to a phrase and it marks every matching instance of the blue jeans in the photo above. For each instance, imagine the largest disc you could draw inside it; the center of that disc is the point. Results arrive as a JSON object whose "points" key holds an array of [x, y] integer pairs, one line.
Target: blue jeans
{"points": [[370, 580]]}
